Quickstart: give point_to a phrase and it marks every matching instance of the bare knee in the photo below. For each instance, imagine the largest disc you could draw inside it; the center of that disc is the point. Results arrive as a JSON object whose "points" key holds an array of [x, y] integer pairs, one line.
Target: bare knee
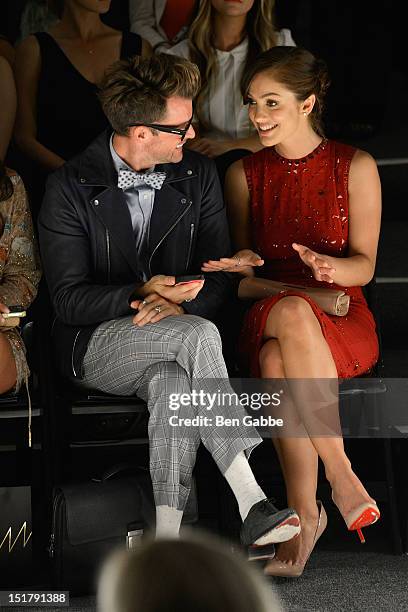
{"points": [[293, 316], [270, 360]]}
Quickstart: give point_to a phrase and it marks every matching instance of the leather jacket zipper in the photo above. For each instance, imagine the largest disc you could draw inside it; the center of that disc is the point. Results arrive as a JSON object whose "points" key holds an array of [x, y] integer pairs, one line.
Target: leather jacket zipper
{"points": [[190, 246], [108, 254], [166, 234], [73, 351]]}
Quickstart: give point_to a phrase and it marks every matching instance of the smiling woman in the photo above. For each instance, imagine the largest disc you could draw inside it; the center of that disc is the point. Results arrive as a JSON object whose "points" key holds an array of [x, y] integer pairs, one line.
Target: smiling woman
{"points": [[310, 208], [269, 89]]}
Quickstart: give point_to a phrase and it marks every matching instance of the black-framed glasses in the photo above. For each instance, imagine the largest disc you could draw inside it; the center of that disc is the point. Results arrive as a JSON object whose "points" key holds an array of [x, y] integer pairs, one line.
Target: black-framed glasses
{"points": [[171, 129]]}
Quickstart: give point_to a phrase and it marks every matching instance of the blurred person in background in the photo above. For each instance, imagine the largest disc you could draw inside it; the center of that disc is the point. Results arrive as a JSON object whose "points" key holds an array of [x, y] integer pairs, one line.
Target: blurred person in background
{"points": [[225, 38], [19, 262], [39, 16], [57, 75], [163, 23], [19, 276], [198, 574]]}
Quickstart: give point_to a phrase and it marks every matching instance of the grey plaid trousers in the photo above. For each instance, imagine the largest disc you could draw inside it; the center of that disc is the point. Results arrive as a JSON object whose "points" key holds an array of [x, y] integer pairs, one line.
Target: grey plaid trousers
{"points": [[154, 361]]}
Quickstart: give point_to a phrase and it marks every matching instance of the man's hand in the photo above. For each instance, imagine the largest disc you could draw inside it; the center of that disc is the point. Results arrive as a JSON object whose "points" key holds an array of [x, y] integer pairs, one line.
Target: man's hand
{"points": [[165, 287], [210, 147], [319, 264], [243, 262], [154, 308]]}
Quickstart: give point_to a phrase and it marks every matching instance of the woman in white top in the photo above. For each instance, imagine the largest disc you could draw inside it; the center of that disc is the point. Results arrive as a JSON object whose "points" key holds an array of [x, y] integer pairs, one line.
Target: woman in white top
{"points": [[226, 36]]}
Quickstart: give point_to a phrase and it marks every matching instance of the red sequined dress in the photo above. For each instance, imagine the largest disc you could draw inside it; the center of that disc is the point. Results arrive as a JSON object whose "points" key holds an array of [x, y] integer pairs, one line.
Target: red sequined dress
{"points": [[305, 201]]}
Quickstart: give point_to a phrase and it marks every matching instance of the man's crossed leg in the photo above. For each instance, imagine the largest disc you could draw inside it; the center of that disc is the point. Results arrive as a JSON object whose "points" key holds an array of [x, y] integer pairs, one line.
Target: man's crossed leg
{"points": [[165, 358]]}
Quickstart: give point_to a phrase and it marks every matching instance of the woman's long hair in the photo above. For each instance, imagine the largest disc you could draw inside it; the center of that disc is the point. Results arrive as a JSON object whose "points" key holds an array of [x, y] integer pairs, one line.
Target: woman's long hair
{"points": [[261, 36]]}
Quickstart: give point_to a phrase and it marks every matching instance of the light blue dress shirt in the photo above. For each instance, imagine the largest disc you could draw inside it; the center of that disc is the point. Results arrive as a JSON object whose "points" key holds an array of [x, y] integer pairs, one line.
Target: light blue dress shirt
{"points": [[139, 200]]}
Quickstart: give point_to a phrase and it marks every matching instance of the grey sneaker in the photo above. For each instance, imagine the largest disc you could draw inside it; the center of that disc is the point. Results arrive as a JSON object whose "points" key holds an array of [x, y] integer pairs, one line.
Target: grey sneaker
{"points": [[265, 524]]}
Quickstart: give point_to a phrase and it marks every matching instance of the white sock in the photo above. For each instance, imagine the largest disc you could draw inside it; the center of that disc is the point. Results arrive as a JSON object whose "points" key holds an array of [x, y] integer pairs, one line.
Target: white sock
{"points": [[243, 484], [168, 521]]}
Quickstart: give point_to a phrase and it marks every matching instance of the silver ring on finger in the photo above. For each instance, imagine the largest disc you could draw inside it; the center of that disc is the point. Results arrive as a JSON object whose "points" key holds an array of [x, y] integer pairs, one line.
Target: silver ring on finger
{"points": [[188, 300], [238, 261], [158, 308]]}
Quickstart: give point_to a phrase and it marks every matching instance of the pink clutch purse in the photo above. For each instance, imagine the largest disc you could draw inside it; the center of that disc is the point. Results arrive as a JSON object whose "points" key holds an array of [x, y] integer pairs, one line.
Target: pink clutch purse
{"points": [[332, 301]]}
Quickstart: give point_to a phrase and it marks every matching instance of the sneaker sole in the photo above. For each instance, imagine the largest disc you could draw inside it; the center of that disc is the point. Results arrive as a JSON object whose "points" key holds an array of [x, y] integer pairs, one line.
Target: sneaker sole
{"points": [[281, 533], [261, 553]]}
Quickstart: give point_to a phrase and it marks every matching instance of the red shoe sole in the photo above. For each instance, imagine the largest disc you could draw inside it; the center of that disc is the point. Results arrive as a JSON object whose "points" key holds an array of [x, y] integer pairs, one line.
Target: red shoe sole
{"points": [[366, 518]]}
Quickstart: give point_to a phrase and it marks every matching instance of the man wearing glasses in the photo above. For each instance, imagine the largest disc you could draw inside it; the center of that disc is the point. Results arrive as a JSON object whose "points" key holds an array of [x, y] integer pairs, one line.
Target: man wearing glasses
{"points": [[117, 224]]}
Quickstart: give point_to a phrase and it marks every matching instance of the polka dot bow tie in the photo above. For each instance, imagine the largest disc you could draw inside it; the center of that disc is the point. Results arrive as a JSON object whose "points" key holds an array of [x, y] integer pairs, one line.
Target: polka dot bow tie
{"points": [[127, 179]]}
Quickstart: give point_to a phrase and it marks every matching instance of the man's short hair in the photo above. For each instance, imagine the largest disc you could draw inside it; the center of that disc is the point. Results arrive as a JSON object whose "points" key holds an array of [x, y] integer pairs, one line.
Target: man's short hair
{"points": [[134, 91]]}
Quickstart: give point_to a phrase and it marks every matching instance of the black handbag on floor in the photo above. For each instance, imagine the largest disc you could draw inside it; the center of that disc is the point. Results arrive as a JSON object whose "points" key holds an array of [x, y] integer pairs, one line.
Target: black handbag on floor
{"points": [[91, 519]]}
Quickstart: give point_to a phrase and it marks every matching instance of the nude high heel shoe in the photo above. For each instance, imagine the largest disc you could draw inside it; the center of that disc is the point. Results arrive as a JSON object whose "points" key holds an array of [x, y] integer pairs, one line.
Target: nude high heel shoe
{"points": [[275, 567], [364, 515]]}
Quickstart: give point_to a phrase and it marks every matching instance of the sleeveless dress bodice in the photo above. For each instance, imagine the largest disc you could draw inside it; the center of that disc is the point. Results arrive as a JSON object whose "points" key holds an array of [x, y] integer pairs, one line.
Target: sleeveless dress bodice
{"points": [[69, 114], [306, 201]]}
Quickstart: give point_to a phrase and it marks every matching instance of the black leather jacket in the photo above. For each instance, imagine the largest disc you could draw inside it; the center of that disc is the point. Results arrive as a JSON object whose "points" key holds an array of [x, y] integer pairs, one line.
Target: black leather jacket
{"points": [[88, 247]]}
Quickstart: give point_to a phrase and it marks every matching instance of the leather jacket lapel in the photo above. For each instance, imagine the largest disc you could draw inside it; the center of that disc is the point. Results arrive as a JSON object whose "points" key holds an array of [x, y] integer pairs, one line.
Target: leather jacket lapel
{"points": [[110, 206], [169, 205]]}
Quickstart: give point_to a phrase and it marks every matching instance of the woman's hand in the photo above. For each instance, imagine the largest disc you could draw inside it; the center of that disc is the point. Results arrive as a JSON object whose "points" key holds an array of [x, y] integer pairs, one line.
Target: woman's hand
{"points": [[209, 147], [4, 322], [319, 264], [166, 287], [10, 321], [243, 262], [3, 308]]}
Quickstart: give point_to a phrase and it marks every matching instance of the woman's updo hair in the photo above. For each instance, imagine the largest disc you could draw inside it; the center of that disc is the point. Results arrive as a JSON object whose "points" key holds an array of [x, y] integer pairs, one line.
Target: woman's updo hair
{"points": [[299, 71]]}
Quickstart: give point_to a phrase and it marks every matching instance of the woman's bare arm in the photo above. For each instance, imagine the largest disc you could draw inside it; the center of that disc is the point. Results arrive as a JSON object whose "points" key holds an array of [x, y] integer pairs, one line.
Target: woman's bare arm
{"points": [[237, 201], [27, 72], [147, 49], [7, 51], [357, 269], [214, 148], [8, 103]]}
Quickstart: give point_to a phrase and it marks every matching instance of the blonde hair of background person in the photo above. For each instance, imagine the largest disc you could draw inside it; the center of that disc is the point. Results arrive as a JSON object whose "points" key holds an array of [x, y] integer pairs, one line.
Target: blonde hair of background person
{"points": [[261, 34], [222, 26], [198, 574]]}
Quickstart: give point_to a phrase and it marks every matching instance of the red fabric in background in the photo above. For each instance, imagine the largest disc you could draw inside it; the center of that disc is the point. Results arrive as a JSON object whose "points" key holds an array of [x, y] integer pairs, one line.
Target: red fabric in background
{"points": [[177, 14]]}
